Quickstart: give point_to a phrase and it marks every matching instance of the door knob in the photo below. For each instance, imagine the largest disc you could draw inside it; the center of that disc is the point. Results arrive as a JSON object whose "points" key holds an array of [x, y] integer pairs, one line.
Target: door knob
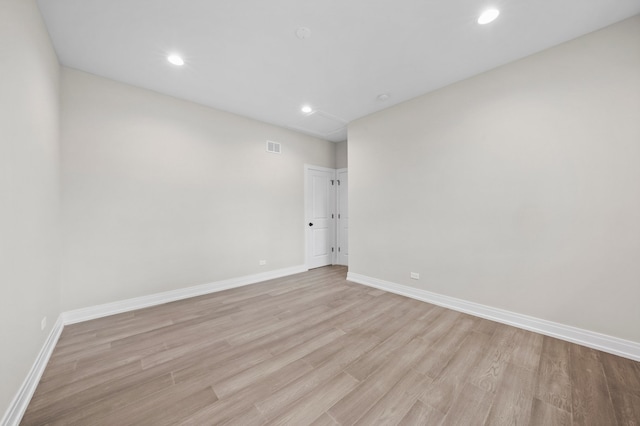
{"points": [[310, 224]]}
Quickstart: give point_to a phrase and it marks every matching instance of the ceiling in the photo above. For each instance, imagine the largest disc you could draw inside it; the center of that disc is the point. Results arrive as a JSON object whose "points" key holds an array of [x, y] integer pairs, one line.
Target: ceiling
{"points": [[243, 56]]}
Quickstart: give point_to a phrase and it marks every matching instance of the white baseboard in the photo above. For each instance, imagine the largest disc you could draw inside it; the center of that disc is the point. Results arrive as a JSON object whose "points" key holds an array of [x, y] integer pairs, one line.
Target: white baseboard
{"points": [[591, 339], [18, 406], [99, 311]]}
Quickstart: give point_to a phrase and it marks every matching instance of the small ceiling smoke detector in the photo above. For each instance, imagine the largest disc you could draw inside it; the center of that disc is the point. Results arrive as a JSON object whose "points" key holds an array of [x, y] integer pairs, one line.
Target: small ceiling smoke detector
{"points": [[175, 60], [488, 15], [303, 32], [383, 97]]}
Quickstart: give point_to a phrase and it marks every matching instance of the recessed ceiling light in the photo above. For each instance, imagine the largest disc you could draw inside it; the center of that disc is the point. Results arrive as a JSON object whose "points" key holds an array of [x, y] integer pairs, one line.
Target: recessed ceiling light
{"points": [[175, 60], [383, 97], [488, 15], [307, 109]]}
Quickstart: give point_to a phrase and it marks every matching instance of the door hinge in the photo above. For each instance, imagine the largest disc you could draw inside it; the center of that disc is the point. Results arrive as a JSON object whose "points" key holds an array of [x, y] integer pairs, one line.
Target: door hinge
{"points": [[338, 181], [331, 249], [338, 215], [332, 216], [332, 182], [338, 249]]}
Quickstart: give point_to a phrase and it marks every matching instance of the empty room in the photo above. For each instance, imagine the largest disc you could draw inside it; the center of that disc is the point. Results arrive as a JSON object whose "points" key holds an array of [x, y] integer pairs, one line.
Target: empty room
{"points": [[319, 213]]}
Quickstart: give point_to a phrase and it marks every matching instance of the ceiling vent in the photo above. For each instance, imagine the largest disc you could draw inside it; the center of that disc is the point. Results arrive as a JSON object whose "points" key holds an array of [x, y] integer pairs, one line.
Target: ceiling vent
{"points": [[273, 147]]}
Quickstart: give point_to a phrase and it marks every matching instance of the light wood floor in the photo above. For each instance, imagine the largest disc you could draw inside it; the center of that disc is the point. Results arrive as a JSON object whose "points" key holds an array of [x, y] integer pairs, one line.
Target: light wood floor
{"points": [[315, 349]]}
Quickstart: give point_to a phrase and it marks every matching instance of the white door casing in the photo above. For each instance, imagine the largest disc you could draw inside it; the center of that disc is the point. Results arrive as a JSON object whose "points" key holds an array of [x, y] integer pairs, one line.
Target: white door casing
{"points": [[342, 209]]}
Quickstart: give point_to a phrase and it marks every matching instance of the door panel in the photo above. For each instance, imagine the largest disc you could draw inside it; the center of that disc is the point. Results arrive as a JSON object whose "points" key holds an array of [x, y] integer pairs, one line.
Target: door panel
{"points": [[319, 199], [320, 242]]}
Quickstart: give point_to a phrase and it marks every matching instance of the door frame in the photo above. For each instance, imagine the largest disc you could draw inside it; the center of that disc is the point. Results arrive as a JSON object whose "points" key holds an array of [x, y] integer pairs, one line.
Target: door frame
{"points": [[339, 212]]}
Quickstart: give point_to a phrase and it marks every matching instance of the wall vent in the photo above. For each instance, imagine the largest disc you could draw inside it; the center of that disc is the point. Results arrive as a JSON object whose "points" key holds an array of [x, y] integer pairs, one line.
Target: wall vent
{"points": [[273, 147]]}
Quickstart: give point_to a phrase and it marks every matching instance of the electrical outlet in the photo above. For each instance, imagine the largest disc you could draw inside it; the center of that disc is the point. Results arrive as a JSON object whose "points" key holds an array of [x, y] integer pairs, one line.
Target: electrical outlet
{"points": [[415, 276], [43, 323], [262, 262]]}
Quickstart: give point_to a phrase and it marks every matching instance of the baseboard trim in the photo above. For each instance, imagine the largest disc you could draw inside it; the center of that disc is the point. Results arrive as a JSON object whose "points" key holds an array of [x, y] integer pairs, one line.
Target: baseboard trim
{"points": [[99, 311], [591, 339], [18, 406]]}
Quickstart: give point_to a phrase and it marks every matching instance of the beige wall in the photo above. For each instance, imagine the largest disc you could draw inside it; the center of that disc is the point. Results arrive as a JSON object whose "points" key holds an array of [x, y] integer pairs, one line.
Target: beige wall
{"points": [[518, 188], [160, 193], [29, 203], [341, 155]]}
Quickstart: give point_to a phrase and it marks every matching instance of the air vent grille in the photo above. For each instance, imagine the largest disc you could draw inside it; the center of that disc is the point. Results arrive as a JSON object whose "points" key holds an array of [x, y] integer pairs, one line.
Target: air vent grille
{"points": [[273, 147]]}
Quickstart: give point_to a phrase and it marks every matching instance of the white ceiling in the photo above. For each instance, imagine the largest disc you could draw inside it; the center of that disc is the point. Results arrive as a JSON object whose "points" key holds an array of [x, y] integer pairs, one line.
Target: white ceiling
{"points": [[243, 56]]}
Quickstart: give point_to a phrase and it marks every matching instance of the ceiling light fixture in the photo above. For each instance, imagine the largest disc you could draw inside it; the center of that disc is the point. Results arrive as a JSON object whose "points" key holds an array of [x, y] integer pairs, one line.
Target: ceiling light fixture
{"points": [[175, 60], [488, 15], [306, 109], [383, 97]]}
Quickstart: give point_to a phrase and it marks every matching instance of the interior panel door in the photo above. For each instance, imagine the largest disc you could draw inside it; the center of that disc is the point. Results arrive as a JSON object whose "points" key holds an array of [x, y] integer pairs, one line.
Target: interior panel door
{"points": [[319, 209]]}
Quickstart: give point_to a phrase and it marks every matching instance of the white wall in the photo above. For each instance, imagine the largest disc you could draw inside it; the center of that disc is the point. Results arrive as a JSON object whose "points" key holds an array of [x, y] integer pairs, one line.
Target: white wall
{"points": [[518, 188], [160, 193], [341, 155], [29, 197]]}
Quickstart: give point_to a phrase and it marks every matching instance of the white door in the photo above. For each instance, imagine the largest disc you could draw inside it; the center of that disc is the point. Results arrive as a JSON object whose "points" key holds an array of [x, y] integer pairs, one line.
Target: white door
{"points": [[319, 214], [342, 217]]}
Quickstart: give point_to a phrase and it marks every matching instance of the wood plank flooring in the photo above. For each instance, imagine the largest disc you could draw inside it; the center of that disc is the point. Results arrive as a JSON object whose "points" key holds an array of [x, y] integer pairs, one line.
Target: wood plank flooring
{"points": [[316, 349]]}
